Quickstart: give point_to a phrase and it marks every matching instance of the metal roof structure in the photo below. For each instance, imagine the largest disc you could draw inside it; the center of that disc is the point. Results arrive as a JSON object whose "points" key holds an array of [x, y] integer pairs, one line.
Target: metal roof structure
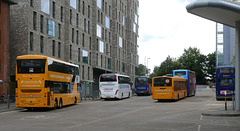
{"points": [[221, 11]]}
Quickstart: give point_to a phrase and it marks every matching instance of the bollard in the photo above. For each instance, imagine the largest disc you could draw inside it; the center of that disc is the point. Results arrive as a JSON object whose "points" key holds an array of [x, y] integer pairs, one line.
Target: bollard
{"points": [[225, 102]]}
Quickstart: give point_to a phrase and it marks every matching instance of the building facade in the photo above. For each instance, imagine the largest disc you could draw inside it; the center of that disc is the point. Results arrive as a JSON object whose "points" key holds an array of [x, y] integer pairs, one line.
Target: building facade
{"points": [[4, 47], [225, 45], [98, 35]]}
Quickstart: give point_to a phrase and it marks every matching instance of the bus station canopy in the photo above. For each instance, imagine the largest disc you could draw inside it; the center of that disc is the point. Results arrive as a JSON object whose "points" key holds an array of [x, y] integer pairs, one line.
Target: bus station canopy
{"points": [[221, 11]]}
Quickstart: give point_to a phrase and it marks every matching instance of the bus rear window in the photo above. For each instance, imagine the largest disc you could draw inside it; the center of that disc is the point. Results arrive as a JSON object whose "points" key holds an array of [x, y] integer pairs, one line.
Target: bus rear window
{"points": [[31, 66], [179, 73], [158, 82], [108, 78], [141, 81]]}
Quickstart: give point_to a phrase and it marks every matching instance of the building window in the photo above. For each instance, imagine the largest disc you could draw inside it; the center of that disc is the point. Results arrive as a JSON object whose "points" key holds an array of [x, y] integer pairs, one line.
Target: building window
{"points": [[79, 5], [90, 43], [34, 20], [45, 6], [53, 9], [123, 67], [89, 11], [88, 73], [77, 37], [83, 37], [70, 16], [85, 56], [99, 31], [31, 3], [107, 22], [79, 54], [120, 42], [77, 23], [85, 25], [41, 44], [61, 14], [53, 48], [88, 27], [82, 71], [50, 27], [83, 10], [101, 46], [72, 35], [59, 31], [70, 52], [73, 4], [59, 50], [31, 41], [99, 4], [41, 23]]}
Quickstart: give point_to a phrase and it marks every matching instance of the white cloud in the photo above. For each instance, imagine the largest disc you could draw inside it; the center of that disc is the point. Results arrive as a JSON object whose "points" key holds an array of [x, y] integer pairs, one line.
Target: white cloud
{"points": [[167, 29]]}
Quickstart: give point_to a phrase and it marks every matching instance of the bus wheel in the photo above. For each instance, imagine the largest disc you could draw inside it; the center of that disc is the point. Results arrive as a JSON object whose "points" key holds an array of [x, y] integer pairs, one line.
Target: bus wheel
{"points": [[55, 104], [60, 104]]}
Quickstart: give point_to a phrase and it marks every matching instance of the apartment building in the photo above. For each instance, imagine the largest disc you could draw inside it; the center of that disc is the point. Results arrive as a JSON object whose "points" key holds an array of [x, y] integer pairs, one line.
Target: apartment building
{"points": [[98, 35]]}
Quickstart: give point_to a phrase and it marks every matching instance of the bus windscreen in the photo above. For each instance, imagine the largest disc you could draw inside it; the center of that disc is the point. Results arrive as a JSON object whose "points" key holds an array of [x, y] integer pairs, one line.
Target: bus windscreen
{"points": [[161, 82], [108, 78], [31, 66]]}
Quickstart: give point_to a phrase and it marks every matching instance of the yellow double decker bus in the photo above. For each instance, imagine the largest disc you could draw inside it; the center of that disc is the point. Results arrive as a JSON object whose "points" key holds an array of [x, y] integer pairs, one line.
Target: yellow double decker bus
{"points": [[169, 88], [46, 82]]}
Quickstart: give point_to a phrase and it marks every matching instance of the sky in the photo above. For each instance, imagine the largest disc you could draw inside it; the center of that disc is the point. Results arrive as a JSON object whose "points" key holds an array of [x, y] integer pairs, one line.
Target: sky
{"points": [[166, 29]]}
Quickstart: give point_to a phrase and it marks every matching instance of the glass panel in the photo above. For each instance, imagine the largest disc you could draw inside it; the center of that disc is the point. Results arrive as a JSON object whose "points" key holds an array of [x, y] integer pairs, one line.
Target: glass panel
{"points": [[85, 56], [158, 82], [99, 4], [50, 27], [107, 77], [99, 31], [45, 6], [107, 22], [101, 46], [73, 4], [120, 42], [31, 66]]}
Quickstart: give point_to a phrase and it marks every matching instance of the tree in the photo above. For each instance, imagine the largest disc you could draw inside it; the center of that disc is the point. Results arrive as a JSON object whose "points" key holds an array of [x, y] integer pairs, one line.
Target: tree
{"points": [[165, 67], [211, 67], [142, 70], [193, 60]]}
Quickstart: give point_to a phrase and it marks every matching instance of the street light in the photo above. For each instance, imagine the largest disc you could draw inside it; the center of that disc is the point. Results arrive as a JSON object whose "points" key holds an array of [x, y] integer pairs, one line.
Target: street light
{"points": [[147, 65]]}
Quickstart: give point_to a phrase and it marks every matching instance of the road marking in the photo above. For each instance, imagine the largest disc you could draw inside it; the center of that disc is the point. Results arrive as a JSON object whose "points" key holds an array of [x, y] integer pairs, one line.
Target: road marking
{"points": [[199, 128], [201, 118], [110, 117], [8, 112]]}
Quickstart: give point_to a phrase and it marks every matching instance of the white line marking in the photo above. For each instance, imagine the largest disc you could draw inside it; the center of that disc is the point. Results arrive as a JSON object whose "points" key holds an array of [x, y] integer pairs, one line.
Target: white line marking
{"points": [[199, 128], [201, 117]]}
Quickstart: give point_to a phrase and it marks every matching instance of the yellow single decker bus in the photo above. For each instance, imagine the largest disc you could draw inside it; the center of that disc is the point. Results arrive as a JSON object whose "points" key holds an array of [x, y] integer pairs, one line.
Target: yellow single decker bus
{"points": [[169, 88], [46, 82]]}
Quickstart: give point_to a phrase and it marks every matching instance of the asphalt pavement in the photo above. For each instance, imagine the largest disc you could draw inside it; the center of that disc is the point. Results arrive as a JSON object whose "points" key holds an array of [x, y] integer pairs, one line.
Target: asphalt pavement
{"points": [[214, 108]]}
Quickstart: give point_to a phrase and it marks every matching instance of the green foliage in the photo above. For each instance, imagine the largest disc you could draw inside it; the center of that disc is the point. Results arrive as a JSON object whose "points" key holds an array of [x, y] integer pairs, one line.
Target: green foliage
{"points": [[142, 70], [192, 59]]}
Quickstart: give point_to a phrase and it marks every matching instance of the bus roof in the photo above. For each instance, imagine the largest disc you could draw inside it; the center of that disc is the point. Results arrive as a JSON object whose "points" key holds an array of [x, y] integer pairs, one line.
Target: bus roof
{"points": [[225, 67], [115, 74], [184, 70], [44, 57]]}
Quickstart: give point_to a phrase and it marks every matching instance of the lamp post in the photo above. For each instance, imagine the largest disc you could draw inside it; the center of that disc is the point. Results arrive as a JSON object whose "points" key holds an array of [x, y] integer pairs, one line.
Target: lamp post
{"points": [[147, 65]]}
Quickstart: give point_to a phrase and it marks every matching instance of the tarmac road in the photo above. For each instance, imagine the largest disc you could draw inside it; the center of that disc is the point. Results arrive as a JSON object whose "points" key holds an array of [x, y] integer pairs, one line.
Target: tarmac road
{"points": [[139, 113]]}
